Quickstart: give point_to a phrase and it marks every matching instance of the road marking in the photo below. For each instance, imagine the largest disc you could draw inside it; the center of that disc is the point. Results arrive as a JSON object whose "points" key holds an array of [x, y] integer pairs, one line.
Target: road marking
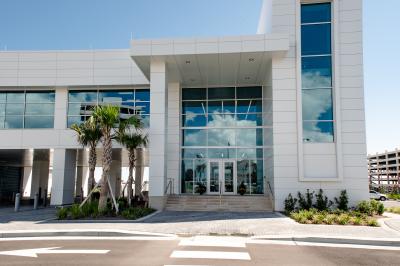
{"points": [[202, 241], [52, 250], [210, 255]]}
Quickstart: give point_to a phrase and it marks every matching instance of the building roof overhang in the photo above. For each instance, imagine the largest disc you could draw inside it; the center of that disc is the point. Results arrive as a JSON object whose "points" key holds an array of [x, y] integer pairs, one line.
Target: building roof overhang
{"points": [[212, 61]]}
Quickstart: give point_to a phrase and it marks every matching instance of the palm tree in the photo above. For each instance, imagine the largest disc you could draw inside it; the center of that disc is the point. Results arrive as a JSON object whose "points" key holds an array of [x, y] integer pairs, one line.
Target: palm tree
{"points": [[89, 135], [130, 135], [108, 118]]}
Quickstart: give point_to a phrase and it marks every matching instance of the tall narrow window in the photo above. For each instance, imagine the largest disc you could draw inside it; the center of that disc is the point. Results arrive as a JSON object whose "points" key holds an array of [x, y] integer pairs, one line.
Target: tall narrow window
{"points": [[316, 66]]}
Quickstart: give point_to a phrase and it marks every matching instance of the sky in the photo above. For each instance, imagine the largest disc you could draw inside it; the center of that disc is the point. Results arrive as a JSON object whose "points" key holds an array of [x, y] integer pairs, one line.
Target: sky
{"points": [[110, 24]]}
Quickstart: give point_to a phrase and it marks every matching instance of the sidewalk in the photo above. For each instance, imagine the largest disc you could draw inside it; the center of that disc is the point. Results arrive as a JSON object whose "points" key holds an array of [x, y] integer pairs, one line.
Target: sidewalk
{"points": [[199, 223]]}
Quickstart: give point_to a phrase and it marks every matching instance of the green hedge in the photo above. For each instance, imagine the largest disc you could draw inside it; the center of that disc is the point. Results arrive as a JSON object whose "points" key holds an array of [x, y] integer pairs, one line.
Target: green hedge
{"points": [[90, 210]]}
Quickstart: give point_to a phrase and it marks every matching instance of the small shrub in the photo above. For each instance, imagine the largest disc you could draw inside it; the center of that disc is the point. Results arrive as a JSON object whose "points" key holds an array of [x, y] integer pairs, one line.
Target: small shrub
{"points": [[380, 208], [306, 202], [329, 218], [299, 217], [372, 222], [90, 209], [356, 220], [122, 203], [62, 213], [75, 211], [343, 219], [364, 207], [134, 213], [322, 203], [318, 218], [290, 203], [343, 201]]}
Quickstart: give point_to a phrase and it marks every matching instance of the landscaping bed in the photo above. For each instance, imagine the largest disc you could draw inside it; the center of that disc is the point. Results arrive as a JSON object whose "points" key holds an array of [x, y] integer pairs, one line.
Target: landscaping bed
{"points": [[337, 217], [395, 210], [306, 210], [393, 196], [90, 211]]}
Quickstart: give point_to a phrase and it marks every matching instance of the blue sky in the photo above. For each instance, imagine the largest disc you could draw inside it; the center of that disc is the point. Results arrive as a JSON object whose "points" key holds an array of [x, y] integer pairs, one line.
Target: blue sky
{"points": [[97, 24]]}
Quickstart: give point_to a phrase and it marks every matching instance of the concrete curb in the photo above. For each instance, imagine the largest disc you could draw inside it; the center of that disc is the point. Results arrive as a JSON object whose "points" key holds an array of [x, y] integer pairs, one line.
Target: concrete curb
{"points": [[148, 216], [80, 233], [117, 220]]}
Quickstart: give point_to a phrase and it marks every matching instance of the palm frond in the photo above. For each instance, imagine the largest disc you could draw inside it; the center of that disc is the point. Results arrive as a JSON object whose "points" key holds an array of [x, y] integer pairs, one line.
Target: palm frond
{"points": [[88, 133]]}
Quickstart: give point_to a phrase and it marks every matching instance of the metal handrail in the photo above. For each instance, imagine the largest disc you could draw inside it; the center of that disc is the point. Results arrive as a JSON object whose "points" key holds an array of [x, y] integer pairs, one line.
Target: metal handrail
{"points": [[270, 189], [169, 186]]}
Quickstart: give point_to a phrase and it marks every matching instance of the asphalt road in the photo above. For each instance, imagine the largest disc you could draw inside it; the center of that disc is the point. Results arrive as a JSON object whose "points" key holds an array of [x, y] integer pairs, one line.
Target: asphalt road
{"points": [[180, 252]]}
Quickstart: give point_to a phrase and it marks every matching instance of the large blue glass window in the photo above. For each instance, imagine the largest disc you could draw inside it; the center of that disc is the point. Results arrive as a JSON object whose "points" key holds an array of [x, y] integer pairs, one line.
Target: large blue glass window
{"points": [[223, 123], [316, 65], [27, 109], [131, 102]]}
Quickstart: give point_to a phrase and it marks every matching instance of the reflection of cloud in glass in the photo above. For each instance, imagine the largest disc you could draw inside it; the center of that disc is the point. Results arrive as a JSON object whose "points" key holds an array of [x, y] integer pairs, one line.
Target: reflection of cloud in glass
{"points": [[190, 116], [317, 104], [318, 132], [221, 120], [314, 79], [221, 137], [228, 120], [195, 137]]}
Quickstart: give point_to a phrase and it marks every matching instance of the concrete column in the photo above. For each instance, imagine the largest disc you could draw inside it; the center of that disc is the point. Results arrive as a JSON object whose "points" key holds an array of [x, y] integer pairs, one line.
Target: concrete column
{"points": [[157, 134], [64, 168], [27, 173], [82, 175], [82, 172], [173, 142], [60, 108], [40, 172]]}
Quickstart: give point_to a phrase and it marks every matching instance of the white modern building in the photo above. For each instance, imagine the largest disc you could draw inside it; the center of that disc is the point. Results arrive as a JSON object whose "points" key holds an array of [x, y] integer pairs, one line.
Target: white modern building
{"points": [[269, 114]]}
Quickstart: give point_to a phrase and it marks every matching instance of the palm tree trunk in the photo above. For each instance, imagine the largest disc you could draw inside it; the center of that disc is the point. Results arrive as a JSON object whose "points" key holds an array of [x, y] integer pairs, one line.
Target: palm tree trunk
{"points": [[107, 159], [92, 167], [130, 177]]}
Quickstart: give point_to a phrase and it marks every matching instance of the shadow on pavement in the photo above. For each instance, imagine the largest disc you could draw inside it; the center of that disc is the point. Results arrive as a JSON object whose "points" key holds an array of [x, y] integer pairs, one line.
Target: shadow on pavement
{"points": [[186, 216], [26, 214]]}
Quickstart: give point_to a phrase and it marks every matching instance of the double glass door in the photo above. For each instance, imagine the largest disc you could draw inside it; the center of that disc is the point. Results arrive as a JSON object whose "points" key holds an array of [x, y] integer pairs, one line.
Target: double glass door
{"points": [[221, 177]]}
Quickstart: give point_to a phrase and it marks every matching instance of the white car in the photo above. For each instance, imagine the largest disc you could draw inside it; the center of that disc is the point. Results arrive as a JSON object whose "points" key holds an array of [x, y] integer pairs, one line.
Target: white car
{"points": [[377, 196]]}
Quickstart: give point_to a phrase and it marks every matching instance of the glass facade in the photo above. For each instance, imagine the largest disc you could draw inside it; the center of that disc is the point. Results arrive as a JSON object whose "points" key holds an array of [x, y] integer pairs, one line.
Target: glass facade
{"points": [[222, 124], [27, 109], [316, 65], [131, 101]]}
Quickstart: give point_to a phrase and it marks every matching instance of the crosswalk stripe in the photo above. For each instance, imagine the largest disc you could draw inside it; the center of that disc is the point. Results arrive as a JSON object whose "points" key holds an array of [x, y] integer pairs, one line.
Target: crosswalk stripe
{"points": [[210, 255], [213, 242]]}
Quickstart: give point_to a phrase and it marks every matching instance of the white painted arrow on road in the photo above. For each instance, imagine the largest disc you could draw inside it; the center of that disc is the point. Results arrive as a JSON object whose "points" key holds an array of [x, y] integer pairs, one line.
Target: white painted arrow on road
{"points": [[52, 250]]}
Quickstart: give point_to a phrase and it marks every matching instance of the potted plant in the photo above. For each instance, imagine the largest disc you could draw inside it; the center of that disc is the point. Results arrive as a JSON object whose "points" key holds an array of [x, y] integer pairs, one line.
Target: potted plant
{"points": [[242, 189], [201, 188]]}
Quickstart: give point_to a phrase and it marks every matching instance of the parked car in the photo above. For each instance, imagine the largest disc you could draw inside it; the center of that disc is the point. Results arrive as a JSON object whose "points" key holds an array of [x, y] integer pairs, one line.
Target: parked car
{"points": [[377, 196]]}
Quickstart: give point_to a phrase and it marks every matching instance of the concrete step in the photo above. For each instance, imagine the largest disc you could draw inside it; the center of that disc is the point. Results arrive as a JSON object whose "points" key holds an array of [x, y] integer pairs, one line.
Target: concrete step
{"points": [[217, 203]]}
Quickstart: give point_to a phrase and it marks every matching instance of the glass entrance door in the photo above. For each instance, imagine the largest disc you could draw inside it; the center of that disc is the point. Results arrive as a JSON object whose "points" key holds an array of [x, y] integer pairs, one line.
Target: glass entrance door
{"points": [[222, 177]]}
